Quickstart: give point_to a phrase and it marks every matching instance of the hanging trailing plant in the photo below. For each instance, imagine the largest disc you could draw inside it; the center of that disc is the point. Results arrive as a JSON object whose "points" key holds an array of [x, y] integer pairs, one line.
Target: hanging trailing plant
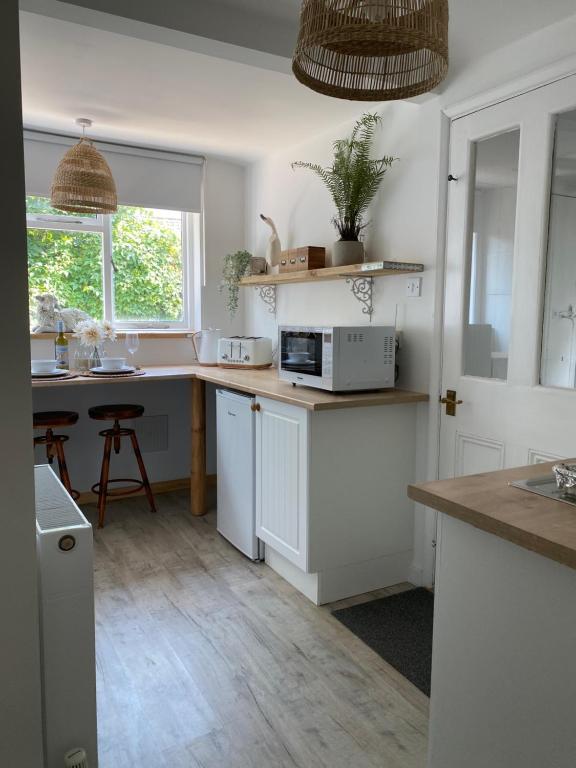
{"points": [[353, 178], [236, 266]]}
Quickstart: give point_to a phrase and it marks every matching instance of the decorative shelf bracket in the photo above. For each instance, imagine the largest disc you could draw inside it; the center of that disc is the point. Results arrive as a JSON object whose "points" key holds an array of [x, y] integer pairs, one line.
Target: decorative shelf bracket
{"points": [[362, 290], [268, 295]]}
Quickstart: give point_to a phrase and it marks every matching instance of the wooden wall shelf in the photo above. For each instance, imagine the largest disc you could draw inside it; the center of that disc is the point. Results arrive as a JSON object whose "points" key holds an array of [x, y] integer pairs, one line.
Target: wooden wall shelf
{"points": [[368, 269], [360, 277]]}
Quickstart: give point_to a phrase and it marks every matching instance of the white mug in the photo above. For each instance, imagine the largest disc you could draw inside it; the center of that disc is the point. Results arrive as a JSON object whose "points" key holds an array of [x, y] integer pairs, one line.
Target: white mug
{"points": [[112, 363], [43, 366]]}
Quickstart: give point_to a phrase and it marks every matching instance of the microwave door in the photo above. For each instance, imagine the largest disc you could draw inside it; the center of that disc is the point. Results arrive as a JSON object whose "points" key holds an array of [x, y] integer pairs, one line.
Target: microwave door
{"points": [[302, 352]]}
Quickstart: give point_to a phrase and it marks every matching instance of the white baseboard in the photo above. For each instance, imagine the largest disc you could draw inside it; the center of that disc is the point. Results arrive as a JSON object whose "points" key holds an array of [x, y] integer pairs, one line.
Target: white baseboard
{"points": [[307, 583], [347, 581], [358, 578]]}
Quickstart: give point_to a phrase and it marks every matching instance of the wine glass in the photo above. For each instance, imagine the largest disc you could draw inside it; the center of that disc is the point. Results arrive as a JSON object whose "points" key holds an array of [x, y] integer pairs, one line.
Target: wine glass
{"points": [[132, 342]]}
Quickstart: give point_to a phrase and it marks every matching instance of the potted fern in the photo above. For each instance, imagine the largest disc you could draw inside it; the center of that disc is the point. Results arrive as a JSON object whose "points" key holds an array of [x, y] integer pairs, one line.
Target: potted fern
{"points": [[353, 180]]}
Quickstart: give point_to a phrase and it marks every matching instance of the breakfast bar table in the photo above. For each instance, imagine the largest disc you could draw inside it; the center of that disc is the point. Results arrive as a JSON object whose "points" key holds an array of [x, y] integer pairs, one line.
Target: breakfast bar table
{"points": [[264, 383]]}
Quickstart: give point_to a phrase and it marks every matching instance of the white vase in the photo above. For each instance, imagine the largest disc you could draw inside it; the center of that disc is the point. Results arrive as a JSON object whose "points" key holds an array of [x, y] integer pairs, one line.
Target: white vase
{"points": [[346, 252]]}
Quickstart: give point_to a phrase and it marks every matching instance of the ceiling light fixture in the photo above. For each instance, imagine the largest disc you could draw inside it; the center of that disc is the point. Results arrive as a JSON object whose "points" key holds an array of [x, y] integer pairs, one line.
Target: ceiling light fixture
{"points": [[83, 182], [372, 50]]}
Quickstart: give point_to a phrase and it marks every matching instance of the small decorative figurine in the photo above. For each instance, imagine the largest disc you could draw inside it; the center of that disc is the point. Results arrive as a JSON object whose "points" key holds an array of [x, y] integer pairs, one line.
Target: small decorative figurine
{"points": [[49, 311], [274, 248]]}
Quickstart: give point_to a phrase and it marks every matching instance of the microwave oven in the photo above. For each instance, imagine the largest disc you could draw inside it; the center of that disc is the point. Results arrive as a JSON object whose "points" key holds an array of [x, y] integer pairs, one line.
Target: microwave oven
{"points": [[339, 359]]}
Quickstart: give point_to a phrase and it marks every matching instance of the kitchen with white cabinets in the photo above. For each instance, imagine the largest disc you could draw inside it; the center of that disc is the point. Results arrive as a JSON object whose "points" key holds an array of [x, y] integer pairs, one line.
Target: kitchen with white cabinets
{"points": [[331, 503], [319, 478]]}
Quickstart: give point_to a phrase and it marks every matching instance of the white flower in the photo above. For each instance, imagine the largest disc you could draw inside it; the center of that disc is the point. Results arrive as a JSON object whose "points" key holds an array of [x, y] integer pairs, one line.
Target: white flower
{"points": [[90, 333], [108, 330]]}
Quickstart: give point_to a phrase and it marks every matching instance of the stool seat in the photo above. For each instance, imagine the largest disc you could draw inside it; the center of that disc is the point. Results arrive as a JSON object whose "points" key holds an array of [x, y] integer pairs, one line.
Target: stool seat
{"points": [[54, 419], [47, 420], [115, 411]]}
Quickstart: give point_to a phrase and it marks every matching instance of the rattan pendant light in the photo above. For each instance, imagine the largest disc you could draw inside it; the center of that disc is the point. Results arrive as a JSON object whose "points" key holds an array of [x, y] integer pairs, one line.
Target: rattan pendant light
{"points": [[372, 50], [83, 182]]}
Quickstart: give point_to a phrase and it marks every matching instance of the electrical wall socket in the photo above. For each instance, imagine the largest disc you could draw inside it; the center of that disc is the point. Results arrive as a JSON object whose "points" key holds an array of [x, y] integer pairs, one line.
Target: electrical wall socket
{"points": [[414, 287]]}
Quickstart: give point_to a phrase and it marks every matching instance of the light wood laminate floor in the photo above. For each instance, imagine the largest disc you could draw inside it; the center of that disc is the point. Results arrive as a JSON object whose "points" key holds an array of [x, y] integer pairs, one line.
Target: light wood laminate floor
{"points": [[206, 660]]}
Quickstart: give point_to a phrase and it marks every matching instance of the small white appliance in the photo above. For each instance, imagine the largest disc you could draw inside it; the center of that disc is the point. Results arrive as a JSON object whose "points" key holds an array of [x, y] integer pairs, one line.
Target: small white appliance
{"points": [[245, 352], [236, 513], [66, 593], [205, 345], [340, 358]]}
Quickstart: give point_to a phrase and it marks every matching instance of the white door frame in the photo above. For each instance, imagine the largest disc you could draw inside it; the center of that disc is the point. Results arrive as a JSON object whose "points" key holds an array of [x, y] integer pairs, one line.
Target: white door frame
{"points": [[538, 79]]}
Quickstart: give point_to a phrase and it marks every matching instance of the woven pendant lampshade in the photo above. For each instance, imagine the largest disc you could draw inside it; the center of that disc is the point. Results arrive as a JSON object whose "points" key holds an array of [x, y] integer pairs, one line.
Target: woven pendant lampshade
{"points": [[83, 182], [372, 50]]}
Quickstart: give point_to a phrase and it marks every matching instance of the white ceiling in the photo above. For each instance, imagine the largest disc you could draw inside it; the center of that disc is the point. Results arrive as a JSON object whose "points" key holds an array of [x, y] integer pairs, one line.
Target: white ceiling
{"points": [[223, 84], [285, 10], [477, 27], [163, 96]]}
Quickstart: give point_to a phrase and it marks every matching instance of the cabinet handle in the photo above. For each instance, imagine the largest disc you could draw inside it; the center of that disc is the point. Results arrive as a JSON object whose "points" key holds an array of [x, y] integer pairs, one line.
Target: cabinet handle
{"points": [[255, 406]]}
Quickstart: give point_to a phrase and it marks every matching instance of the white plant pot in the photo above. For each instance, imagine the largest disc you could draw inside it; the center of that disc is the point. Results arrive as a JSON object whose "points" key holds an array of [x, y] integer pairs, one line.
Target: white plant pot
{"points": [[345, 252]]}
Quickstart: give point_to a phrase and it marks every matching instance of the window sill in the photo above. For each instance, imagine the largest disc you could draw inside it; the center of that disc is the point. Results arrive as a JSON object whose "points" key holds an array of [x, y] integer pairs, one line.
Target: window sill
{"points": [[122, 334]]}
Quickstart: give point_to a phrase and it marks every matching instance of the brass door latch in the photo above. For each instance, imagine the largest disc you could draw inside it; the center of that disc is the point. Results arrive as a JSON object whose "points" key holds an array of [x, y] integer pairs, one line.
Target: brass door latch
{"points": [[450, 402]]}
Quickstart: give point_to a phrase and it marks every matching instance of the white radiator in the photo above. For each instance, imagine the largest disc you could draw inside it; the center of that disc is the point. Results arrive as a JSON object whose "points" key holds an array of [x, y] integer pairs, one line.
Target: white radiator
{"points": [[66, 591]]}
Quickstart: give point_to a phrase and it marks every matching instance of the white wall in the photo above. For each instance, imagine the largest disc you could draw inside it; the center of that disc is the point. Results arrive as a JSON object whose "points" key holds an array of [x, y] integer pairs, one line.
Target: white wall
{"points": [[402, 227], [20, 715], [407, 223], [400, 218], [225, 219]]}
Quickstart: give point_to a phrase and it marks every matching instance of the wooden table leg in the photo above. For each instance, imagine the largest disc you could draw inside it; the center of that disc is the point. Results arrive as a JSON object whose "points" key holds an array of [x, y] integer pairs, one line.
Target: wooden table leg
{"points": [[198, 474]]}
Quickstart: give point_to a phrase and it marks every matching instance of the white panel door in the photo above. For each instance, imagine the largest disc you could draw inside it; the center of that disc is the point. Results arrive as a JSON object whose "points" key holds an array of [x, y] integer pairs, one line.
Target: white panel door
{"points": [[282, 479], [498, 211]]}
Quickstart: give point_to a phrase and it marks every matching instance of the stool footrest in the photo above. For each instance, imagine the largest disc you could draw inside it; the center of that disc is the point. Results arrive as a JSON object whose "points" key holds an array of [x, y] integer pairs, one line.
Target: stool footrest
{"points": [[136, 485]]}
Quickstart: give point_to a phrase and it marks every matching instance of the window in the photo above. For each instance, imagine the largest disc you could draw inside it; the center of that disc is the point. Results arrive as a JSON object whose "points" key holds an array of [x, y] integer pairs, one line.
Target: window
{"points": [[130, 267]]}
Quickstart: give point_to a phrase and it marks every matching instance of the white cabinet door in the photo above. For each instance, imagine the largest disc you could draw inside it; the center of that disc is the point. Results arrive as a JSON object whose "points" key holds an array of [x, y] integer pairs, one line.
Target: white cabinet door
{"points": [[282, 479]]}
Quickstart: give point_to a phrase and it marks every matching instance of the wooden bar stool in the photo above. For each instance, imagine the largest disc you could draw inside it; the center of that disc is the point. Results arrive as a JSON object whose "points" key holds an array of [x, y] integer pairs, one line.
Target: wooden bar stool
{"points": [[49, 420], [113, 437]]}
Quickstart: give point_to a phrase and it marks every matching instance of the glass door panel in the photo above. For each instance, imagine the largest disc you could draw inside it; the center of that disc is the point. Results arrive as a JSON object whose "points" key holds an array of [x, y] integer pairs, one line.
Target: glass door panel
{"points": [[488, 310], [558, 362]]}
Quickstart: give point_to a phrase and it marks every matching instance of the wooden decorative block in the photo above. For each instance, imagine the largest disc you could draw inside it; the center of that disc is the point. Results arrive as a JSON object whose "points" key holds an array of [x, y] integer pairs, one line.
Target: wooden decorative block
{"points": [[301, 259]]}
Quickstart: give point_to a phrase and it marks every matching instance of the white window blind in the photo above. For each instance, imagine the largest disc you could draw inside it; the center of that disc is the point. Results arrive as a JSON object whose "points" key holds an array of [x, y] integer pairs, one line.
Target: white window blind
{"points": [[144, 177]]}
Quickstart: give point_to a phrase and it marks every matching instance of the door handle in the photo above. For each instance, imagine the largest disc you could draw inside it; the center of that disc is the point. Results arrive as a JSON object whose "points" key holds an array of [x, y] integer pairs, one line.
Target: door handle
{"points": [[255, 407], [450, 401]]}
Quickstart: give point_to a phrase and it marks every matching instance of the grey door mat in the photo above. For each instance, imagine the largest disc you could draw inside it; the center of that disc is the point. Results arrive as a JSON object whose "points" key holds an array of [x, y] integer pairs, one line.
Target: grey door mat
{"points": [[398, 628]]}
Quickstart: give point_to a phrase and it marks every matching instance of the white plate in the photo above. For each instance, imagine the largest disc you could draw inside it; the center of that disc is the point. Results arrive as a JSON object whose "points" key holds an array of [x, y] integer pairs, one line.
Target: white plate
{"points": [[55, 372], [111, 372]]}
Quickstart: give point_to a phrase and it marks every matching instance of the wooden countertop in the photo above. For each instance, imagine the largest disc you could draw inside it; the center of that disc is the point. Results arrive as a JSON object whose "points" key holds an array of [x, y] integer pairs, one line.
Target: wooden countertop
{"points": [[488, 502], [152, 373], [264, 383], [267, 384]]}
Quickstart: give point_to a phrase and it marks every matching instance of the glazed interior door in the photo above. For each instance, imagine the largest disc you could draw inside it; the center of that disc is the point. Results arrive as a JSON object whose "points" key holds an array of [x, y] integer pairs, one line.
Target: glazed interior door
{"points": [[510, 302]]}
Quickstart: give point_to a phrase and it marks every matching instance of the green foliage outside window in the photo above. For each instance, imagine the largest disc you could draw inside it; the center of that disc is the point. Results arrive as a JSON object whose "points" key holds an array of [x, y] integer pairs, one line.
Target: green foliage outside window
{"points": [[147, 255], [67, 264], [147, 264]]}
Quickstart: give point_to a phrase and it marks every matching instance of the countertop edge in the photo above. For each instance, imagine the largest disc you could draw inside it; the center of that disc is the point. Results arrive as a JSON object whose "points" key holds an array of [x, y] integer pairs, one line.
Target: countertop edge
{"points": [[400, 397], [513, 533]]}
